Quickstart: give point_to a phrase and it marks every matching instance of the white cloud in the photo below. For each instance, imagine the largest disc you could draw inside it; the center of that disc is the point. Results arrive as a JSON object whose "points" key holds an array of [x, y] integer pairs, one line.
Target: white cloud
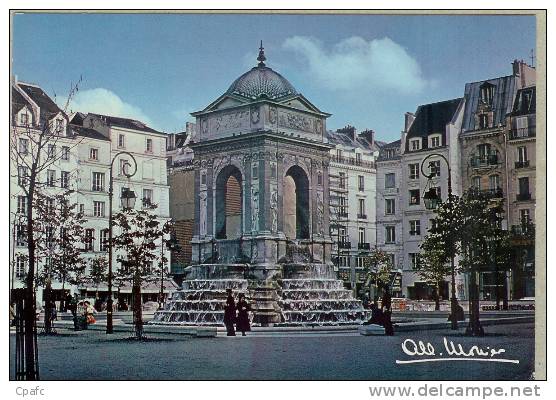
{"points": [[355, 63], [104, 101]]}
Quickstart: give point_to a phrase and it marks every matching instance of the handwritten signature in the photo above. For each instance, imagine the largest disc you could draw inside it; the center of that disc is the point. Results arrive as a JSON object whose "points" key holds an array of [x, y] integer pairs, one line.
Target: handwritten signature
{"points": [[426, 352]]}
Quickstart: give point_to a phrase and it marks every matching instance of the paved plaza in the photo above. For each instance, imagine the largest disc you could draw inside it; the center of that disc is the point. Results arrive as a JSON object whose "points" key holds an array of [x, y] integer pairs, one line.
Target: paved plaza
{"points": [[286, 356]]}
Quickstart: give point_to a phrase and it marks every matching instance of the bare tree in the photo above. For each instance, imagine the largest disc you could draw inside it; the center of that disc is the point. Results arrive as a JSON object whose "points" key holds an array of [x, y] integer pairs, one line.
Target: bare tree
{"points": [[33, 150]]}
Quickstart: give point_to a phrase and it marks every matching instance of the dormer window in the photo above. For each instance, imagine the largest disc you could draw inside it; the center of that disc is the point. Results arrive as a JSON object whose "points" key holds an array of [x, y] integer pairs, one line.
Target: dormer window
{"points": [[415, 144], [24, 119], [487, 93], [121, 141], [149, 146], [483, 121], [435, 141], [93, 153], [59, 125]]}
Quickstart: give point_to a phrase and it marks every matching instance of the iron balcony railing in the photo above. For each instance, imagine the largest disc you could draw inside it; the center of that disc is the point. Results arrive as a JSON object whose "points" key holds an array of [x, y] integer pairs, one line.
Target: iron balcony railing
{"points": [[364, 246], [489, 193], [344, 245], [523, 196], [362, 216], [352, 161], [522, 164], [524, 230], [522, 133], [478, 161]]}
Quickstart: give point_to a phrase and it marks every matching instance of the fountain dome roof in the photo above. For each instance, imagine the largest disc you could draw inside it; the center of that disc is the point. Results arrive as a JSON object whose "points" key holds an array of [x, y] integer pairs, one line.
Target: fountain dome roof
{"points": [[262, 81]]}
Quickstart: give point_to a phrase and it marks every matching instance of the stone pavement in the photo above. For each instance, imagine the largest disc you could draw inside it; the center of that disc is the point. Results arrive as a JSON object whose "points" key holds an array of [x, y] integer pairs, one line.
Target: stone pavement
{"points": [[289, 355]]}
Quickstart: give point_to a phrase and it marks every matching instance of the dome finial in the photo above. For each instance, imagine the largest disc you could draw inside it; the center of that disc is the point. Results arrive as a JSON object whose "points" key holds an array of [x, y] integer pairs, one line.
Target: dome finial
{"points": [[261, 58]]}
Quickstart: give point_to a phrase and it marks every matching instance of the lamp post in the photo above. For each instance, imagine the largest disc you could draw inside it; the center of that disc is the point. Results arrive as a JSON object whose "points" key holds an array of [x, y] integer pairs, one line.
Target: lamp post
{"points": [[432, 200], [173, 246], [128, 201]]}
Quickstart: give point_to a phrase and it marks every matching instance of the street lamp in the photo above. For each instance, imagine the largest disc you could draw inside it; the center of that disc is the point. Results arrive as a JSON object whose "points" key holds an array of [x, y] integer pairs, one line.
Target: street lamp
{"points": [[172, 245], [432, 200], [128, 202]]}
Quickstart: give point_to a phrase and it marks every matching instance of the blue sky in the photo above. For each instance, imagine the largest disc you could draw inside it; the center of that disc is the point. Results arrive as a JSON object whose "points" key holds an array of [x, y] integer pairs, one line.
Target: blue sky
{"points": [[365, 70]]}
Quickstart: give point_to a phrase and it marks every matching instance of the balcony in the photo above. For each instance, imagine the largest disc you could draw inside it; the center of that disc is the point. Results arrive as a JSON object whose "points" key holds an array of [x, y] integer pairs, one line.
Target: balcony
{"points": [[488, 193], [523, 133], [352, 161], [361, 216], [523, 196], [343, 215], [526, 229], [364, 246], [483, 160], [344, 245], [522, 164]]}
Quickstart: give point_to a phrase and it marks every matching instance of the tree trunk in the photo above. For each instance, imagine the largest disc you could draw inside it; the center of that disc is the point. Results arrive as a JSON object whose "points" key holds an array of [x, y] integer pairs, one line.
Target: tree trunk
{"points": [[31, 368], [137, 309], [437, 299], [47, 308]]}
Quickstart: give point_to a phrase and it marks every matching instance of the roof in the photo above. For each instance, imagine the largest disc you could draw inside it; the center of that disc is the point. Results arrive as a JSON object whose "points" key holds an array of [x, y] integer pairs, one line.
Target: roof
{"points": [[504, 90], [350, 140], [525, 101], [125, 123], [395, 145], [47, 106], [432, 118], [261, 81], [87, 132], [18, 101]]}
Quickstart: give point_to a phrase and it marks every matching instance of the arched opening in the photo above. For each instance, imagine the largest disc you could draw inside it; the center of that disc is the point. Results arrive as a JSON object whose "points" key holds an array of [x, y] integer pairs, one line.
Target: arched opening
{"points": [[296, 204], [229, 195]]}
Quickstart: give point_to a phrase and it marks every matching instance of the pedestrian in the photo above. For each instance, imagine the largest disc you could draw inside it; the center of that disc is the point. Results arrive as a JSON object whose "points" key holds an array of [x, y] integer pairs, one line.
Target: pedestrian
{"points": [[98, 304], [230, 314], [88, 313], [243, 309], [53, 312], [72, 306], [386, 300], [388, 327]]}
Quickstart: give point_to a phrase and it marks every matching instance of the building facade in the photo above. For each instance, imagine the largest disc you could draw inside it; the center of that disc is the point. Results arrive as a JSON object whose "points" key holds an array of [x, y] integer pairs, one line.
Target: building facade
{"points": [[82, 152], [352, 175]]}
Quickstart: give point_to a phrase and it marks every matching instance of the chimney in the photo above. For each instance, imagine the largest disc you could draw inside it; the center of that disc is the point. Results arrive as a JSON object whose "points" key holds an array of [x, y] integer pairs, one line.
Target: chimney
{"points": [[369, 136], [348, 130], [525, 73], [409, 118]]}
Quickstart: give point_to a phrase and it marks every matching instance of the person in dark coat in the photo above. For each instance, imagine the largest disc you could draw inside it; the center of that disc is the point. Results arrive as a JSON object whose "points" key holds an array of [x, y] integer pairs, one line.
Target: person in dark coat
{"points": [[243, 308], [377, 316], [230, 314], [388, 327], [386, 300]]}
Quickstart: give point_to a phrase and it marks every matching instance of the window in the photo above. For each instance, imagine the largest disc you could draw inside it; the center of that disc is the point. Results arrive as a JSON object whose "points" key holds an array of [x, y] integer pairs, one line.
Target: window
{"points": [[203, 178], [413, 171], [390, 206], [390, 181], [319, 176], [149, 146], [435, 141], [414, 197], [98, 208], [433, 224], [65, 153], [483, 121], [89, 239], [343, 261], [50, 205], [484, 150], [147, 197], [93, 153], [390, 234], [50, 177], [23, 146], [22, 173], [124, 166], [435, 168], [104, 240], [524, 216], [415, 144], [81, 208], [51, 151], [522, 154], [362, 235], [415, 227], [98, 182], [343, 206], [21, 204], [49, 236], [487, 92], [360, 262], [358, 158], [339, 154], [64, 179], [24, 119], [59, 125], [392, 260], [121, 141], [414, 260], [21, 235], [342, 180], [476, 182], [494, 182], [361, 179], [20, 266], [524, 186], [361, 209]]}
